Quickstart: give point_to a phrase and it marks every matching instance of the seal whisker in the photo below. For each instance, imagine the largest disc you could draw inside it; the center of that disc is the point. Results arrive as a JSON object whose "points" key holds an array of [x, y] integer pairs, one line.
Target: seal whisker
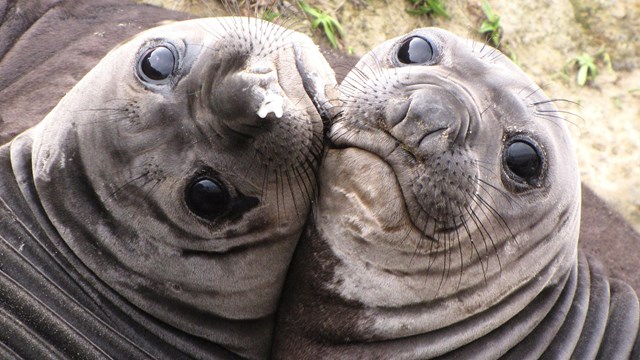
{"points": [[449, 239], [231, 6], [304, 188], [556, 100], [480, 207], [292, 192], [444, 262], [479, 230], [209, 9], [416, 249], [484, 45], [312, 176], [288, 21], [265, 183], [460, 252], [281, 192], [404, 237], [363, 84], [378, 70], [480, 226], [129, 182], [486, 166], [484, 110], [497, 53], [345, 136], [503, 223], [551, 116], [475, 248], [536, 88], [432, 253], [216, 33], [481, 183], [553, 111], [153, 188]]}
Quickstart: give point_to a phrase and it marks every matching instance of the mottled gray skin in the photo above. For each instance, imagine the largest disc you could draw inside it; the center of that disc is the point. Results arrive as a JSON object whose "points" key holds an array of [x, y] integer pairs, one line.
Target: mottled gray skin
{"points": [[424, 245], [105, 175]]}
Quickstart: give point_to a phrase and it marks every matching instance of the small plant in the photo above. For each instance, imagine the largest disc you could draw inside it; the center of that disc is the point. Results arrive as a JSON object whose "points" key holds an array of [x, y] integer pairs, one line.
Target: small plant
{"points": [[491, 24], [332, 28], [428, 7], [588, 66], [269, 15]]}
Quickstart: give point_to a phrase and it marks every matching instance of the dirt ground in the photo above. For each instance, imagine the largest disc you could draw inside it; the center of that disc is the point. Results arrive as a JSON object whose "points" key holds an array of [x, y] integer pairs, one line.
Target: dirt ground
{"points": [[541, 37]]}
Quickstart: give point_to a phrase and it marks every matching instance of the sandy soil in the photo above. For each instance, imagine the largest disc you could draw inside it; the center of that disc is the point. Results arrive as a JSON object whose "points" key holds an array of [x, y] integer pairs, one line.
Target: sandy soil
{"points": [[542, 36]]}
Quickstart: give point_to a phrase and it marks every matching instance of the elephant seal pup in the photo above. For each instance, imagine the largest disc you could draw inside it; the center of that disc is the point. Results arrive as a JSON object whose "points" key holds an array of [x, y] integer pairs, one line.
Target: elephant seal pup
{"points": [[154, 211], [447, 222]]}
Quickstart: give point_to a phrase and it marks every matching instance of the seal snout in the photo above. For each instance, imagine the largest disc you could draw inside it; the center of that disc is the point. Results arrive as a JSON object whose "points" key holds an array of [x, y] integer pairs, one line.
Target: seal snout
{"points": [[249, 100], [430, 121]]}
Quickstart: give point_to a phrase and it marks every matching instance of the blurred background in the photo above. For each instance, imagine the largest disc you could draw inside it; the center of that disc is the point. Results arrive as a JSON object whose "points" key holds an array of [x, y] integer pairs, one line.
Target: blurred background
{"points": [[585, 51]]}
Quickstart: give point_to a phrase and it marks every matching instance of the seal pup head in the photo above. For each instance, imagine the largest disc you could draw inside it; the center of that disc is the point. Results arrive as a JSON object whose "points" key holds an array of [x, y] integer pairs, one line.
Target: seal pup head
{"points": [[451, 186], [181, 169]]}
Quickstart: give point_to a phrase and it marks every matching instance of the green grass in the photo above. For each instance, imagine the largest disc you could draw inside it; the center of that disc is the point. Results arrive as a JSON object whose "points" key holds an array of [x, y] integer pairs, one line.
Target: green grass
{"points": [[428, 7], [588, 66], [331, 27], [269, 15], [490, 27]]}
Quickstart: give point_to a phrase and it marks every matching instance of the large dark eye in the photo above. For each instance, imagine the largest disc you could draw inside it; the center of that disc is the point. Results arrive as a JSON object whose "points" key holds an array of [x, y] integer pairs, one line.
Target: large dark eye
{"points": [[207, 198], [415, 50], [157, 64], [523, 160]]}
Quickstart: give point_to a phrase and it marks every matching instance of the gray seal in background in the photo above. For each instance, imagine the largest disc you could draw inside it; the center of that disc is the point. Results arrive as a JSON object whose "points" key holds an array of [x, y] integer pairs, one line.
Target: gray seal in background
{"points": [[448, 221], [155, 209]]}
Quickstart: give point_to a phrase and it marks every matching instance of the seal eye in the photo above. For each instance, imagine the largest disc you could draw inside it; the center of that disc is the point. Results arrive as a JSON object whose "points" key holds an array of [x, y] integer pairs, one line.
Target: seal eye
{"points": [[523, 160], [207, 198], [415, 50], [157, 64]]}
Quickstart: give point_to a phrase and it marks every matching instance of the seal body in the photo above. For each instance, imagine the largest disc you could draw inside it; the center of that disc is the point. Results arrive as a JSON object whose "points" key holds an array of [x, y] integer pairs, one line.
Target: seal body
{"points": [[154, 211], [448, 219]]}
